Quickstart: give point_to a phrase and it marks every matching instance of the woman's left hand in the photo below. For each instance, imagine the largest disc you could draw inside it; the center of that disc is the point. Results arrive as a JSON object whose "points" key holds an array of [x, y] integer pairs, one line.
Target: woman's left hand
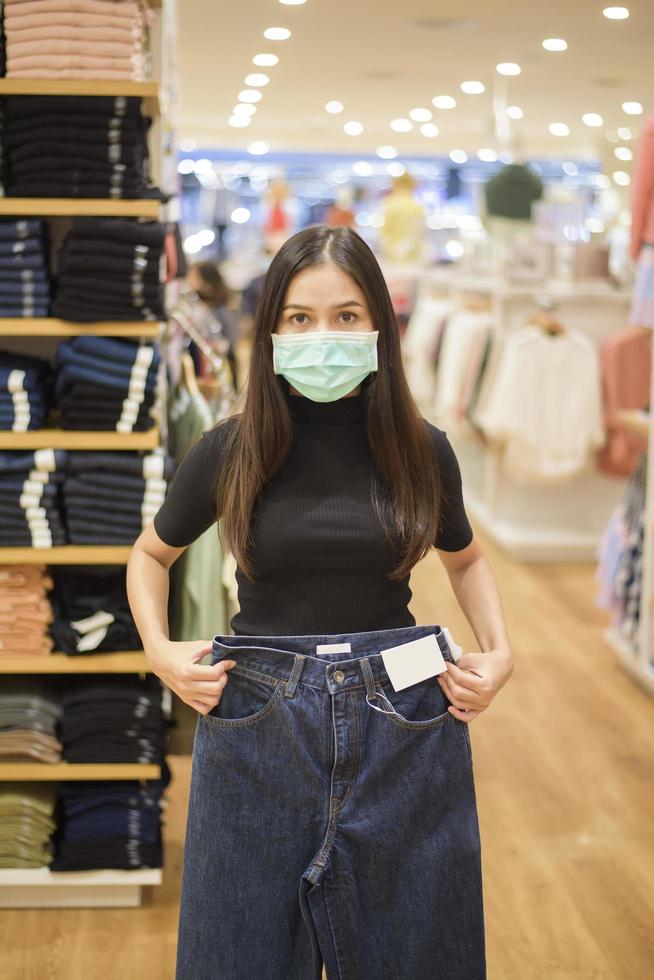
{"points": [[472, 683]]}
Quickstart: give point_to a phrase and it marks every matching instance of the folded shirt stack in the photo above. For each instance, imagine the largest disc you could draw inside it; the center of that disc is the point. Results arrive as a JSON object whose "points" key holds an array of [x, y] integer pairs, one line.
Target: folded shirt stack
{"points": [[75, 38], [113, 824], [25, 391], [26, 613], [24, 274], [75, 146], [110, 497], [30, 513], [113, 719], [106, 383], [110, 269], [29, 714], [26, 824], [91, 611]]}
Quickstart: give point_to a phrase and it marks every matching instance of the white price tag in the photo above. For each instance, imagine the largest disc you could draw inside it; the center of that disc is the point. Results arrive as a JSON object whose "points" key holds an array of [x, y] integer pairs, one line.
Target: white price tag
{"points": [[414, 661]]}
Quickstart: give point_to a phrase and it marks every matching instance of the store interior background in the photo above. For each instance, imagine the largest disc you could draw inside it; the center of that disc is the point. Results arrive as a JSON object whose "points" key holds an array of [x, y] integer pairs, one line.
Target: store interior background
{"points": [[361, 95]]}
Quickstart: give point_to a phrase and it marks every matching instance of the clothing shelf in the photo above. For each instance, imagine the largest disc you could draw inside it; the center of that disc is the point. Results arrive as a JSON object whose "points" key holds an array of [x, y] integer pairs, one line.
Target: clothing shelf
{"points": [[19, 771], [58, 207], [123, 662], [147, 91], [72, 439], [67, 554], [46, 326], [42, 888]]}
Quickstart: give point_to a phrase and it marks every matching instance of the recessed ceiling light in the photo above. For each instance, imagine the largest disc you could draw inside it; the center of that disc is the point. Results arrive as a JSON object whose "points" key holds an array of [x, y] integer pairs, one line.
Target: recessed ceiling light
{"points": [[277, 34], [624, 153], [632, 108], [621, 178], [616, 13], [506, 156], [240, 215], [265, 60], [592, 119], [244, 109], [249, 95], [444, 102], [458, 156], [257, 79], [334, 107], [559, 129], [555, 44], [362, 168], [386, 152], [187, 146], [258, 148], [293, 3], [396, 169], [353, 128], [185, 167], [239, 121], [508, 68], [401, 125], [487, 155], [429, 130], [421, 115], [515, 112], [570, 169], [473, 88], [624, 133]]}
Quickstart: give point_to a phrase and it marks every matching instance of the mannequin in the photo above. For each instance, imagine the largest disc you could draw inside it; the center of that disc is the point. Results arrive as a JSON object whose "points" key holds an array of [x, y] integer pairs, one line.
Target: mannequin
{"points": [[641, 247], [508, 197], [341, 212], [403, 232]]}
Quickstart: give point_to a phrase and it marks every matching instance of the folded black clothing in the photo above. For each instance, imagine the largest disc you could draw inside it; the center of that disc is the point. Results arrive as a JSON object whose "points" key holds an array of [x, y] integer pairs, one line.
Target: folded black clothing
{"points": [[17, 228], [21, 106], [106, 286], [140, 268], [130, 230], [28, 147], [89, 171], [122, 250], [75, 189], [13, 291], [89, 314], [87, 127], [86, 425], [20, 245], [136, 464], [117, 854]]}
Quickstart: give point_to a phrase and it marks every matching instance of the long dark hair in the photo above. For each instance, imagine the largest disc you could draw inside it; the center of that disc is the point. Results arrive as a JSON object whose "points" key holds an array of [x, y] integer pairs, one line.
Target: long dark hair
{"points": [[405, 489]]}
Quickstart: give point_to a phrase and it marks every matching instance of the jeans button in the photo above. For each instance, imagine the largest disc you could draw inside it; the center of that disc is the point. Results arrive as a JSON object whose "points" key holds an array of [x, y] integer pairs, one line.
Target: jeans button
{"points": [[339, 676]]}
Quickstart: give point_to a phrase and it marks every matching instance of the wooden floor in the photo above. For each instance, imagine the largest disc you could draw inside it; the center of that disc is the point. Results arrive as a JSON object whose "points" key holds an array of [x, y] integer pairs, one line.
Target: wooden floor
{"points": [[565, 784]]}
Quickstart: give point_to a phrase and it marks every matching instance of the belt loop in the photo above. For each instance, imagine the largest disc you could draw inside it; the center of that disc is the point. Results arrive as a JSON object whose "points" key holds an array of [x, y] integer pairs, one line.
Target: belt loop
{"points": [[294, 676], [368, 676]]}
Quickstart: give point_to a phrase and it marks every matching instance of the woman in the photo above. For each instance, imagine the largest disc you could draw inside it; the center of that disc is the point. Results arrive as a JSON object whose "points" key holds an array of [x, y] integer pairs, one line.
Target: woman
{"points": [[319, 829], [205, 279]]}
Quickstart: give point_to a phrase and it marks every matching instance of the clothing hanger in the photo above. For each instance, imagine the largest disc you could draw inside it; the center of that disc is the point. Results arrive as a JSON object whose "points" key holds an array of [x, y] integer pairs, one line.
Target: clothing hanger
{"points": [[188, 375]]}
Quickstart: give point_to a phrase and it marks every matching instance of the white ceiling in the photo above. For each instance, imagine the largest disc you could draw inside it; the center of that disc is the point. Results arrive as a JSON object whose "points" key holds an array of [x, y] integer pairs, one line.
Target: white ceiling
{"points": [[382, 59]]}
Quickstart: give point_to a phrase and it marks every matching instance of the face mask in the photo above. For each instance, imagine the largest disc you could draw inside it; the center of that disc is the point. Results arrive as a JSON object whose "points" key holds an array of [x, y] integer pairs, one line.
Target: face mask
{"points": [[325, 365]]}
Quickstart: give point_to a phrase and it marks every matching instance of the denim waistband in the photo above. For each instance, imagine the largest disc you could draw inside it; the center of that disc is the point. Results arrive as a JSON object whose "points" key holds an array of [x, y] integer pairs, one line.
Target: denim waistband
{"points": [[294, 658]]}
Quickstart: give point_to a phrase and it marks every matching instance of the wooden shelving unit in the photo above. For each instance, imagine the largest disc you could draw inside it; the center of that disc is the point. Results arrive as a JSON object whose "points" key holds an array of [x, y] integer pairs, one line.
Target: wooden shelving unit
{"points": [[56, 207], [52, 327], [124, 662], [18, 771], [72, 439], [68, 554], [42, 888]]}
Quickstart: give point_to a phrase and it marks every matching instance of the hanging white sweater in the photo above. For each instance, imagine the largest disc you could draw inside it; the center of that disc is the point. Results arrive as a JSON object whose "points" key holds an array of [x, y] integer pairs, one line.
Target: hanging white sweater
{"points": [[460, 332], [545, 405]]}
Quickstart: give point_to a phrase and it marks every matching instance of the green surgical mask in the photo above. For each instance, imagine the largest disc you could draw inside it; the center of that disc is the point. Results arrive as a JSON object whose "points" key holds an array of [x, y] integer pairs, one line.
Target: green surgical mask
{"points": [[327, 364]]}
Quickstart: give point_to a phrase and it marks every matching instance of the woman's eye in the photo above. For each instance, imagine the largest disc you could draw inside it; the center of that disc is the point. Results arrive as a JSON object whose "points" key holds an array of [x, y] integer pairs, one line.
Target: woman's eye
{"points": [[347, 313], [296, 315]]}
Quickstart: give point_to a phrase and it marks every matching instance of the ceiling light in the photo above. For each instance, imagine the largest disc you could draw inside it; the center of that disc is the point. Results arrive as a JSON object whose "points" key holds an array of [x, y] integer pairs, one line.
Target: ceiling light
{"points": [[570, 169], [421, 115], [265, 60], [249, 95], [362, 168], [473, 88], [258, 148], [353, 128], [187, 146], [334, 107], [559, 129], [239, 120], [458, 156], [277, 34], [293, 3], [240, 215], [621, 178], [555, 44], [444, 102], [401, 125], [396, 169], [624, 133], [515, 112], [508, 68], [506, 156], [429, 130], [386, 152], [624, 153], [185, 167], [632, 108], [257, 79], [487, 155], [244, 109], [616, 13], [592, 119]]}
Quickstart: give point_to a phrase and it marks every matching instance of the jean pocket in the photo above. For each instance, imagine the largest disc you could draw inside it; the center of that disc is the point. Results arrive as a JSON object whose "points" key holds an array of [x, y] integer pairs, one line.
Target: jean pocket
{"points": [[420, 706], [247, 697]]}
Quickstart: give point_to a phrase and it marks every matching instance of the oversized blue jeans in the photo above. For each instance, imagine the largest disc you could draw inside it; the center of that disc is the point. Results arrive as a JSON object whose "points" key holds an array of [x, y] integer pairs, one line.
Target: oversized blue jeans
{"points": [[320, 830]]}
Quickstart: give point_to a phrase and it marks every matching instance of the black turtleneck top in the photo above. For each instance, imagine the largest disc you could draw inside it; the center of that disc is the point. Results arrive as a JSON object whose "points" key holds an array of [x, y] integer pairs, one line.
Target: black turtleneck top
{"points": [[320, 554]]}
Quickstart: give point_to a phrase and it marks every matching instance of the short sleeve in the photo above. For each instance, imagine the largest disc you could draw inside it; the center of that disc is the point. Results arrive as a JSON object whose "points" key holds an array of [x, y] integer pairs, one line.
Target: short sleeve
{"points": [[190, 504], [454, 531]]}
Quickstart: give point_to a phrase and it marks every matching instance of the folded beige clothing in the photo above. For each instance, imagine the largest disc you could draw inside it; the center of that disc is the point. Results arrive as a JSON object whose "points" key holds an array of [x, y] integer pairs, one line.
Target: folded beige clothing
{"points": [[123, 8], [73, 32], [58, 62], [99, 74], [53, 45]]}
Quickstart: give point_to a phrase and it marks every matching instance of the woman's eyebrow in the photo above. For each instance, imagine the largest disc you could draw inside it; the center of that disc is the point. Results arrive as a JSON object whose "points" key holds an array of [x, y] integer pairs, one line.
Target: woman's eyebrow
{"points": [[336, 306]]}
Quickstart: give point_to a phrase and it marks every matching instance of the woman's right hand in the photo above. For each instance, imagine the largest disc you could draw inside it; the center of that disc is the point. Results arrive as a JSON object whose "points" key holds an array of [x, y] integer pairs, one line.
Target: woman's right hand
{"points": [[198, 685]]}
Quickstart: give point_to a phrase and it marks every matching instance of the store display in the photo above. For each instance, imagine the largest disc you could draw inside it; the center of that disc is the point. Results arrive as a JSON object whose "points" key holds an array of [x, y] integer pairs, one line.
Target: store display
{"points": [[24, 270], [90, 610], [29, 502], [25, 612], [25, 391], [403, 228], [511, 192], [26, 823], [30, 712]]}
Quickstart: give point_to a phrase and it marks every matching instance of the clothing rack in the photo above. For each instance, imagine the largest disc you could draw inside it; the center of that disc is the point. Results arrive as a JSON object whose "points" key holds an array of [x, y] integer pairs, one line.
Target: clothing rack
{"points": [[40, 887]]}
